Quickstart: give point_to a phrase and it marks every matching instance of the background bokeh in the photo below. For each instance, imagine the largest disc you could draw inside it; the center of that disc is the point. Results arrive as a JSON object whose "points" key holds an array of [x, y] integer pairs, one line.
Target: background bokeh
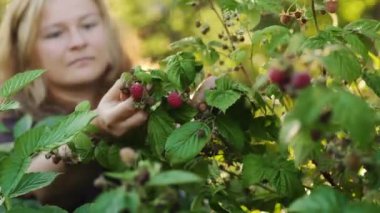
{"points": [[149, 26]]}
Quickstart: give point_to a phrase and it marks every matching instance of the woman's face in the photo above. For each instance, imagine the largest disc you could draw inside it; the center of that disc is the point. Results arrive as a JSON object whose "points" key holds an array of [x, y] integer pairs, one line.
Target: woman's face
{"points": [[72, 43]]}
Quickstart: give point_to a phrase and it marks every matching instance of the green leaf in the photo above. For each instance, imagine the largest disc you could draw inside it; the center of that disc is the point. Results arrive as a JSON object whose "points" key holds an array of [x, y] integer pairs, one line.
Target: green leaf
{"points": [[160, 126], [181, 69], [83, 147], [174, 177], [304, 147], [231, 131], [44, 138], [271, 38], [250, 17], [33, 181], [358, 118], [228, 4], [357, 45], [210, 56], [342, 64], [142, 75], [367, 27], [9, 105], [322, 199], [113, 201], [43, 209], [108, 156], [360, 207], [22, 125], [187, 141], [373, 81], [329, 36], [221, 99], [83, 106], [310, 104], [18, 82], [239, 55], [278, 171], [267, 6], [265, 128], [183, 114], [11, 171], [188, 42]]}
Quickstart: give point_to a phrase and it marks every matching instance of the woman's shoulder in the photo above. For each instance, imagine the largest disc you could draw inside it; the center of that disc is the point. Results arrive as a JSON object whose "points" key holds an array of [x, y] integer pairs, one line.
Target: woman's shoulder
{"points": [[7, 123]]}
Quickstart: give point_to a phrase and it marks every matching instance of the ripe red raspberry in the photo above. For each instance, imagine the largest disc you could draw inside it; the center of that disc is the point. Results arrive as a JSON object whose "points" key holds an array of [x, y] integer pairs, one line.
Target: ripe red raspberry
{"points": [[137, 91], [278, 77], [174, 100], [301, 80], [331, 6]]}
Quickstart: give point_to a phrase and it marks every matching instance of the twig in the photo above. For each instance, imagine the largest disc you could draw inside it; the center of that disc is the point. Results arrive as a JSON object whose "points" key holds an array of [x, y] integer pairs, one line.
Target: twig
{"points": [[314, 15], [221, 21], [326, 176]]}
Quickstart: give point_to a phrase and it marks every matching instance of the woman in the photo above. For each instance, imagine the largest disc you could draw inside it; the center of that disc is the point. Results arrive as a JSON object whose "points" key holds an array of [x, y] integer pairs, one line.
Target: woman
{"points": [[76, 43]]}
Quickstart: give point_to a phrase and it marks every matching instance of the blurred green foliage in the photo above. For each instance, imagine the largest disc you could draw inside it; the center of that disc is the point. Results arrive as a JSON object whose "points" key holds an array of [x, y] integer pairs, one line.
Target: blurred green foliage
{"points": [[160, 22]]}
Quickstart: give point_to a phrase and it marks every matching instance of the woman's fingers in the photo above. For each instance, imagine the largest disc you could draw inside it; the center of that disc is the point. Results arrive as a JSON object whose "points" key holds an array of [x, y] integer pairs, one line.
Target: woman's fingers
{"points": [[199, 95], [113, 93], [136, 120]]}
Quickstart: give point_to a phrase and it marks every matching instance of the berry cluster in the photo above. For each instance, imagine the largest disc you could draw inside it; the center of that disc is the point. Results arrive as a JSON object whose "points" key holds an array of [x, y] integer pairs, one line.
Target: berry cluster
{"points": [[287, 79], [299, 15], [142, 94]]}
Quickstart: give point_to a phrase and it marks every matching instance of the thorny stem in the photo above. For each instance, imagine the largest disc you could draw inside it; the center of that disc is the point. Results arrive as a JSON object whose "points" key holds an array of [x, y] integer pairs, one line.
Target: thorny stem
{"points": [[314, 15]]}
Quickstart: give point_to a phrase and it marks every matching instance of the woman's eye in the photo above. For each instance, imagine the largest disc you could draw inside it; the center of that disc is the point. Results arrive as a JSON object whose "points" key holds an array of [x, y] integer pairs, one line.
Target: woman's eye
{"points": [[89, 25], [53, 35]]}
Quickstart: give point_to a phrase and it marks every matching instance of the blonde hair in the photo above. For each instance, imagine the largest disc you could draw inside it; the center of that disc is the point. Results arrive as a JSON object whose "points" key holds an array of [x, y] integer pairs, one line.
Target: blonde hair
{"points": [[18, 34]]}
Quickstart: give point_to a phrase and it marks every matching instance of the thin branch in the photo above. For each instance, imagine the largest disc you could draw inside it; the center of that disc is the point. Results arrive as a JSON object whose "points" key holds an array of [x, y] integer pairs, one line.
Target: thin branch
{"points": [[314, 15]]}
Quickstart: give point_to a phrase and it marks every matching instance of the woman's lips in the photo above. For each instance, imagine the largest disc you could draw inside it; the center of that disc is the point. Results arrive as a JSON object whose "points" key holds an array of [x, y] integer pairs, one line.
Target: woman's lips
{"points": [[81, 61]]}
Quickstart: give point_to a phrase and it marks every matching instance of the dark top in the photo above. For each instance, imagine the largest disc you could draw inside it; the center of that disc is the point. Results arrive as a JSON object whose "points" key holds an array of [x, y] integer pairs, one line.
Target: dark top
{"points": [[9, 120]]}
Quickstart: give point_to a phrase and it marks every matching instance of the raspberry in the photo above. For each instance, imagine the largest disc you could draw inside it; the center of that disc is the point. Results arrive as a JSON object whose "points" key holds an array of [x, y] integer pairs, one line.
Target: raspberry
{"points": [[331, 6], [128, 156], [297, 14], [142, 177], [278, 77], [301, 80], [137, 91], [202, 107], [285, 18], [174, 100]]}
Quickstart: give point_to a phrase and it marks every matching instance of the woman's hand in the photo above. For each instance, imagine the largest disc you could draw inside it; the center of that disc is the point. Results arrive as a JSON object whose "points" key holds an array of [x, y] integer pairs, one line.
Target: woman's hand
{"points": [[117, 117], [199, 95]]}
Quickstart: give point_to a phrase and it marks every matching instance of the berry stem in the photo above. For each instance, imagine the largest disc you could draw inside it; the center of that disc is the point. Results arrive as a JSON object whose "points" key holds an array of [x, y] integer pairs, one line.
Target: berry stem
{"points": [[314, 15], [221, 21], [358, 90], [326, 175], [229, 36]]}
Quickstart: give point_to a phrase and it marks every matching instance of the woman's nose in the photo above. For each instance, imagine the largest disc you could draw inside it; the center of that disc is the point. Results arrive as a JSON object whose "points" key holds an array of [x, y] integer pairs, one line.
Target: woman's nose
{"points": [[77, 40]]}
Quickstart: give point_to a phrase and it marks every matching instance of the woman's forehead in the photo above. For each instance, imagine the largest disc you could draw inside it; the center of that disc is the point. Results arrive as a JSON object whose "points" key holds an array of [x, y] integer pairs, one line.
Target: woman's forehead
{"points": [[58, 11]]}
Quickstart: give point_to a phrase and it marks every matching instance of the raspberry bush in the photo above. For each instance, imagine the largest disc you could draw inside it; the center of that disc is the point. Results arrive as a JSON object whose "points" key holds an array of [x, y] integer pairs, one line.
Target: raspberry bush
{"points": [[291, 123]]}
